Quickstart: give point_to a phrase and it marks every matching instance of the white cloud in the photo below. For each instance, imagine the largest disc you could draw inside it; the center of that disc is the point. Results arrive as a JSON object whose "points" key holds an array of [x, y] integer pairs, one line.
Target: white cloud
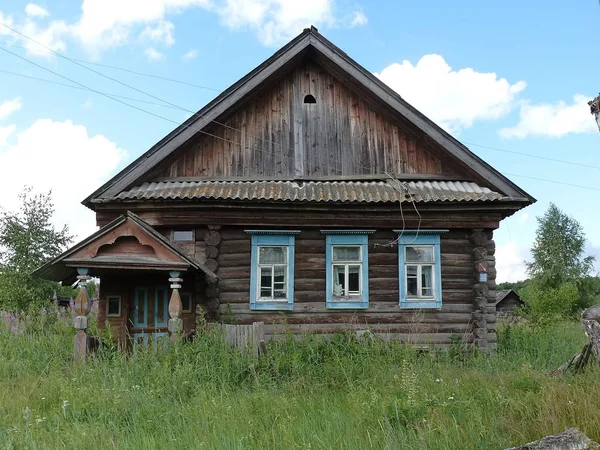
{"points": [[51, 35], [162, 32], [105, 24], [9, 106], [76, 165], [358, 19], [190, 54], [276, 21], [510, 262], [5, 133], [34, 10], [153, 54], [553, 120], [109, 23], [87, 105], [454, 99]]}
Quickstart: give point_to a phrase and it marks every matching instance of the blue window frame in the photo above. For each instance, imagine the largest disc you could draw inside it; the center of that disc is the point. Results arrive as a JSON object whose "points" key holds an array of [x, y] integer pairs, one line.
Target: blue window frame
{"points": [[272, 269], [420, 269], [347, 268]]}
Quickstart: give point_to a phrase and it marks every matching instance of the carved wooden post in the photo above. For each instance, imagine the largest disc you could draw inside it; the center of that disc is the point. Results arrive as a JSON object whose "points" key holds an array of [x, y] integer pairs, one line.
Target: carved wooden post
{"points": [[591, 323], [83, 305], [175, 323]]}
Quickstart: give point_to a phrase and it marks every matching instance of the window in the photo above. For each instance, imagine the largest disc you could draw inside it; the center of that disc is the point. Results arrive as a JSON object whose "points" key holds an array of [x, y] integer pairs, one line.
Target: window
{"points": [[186, 302], [347, 268], [272, 269], [419, 267], [183, 235], [113, 306]]}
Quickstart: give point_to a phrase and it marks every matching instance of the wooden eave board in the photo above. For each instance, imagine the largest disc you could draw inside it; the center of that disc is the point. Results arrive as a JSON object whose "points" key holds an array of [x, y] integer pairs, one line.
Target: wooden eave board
{"points": [[129, 224]]}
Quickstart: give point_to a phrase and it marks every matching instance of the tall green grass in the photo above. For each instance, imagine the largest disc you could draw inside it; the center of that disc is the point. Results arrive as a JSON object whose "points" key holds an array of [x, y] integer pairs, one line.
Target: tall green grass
{"points": [[346, 393]]}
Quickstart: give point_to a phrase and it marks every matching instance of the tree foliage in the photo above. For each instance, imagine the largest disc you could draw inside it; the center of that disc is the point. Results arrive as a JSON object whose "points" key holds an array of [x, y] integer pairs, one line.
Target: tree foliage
{"points": [[560, 283], [558, 250], [27, 240]]}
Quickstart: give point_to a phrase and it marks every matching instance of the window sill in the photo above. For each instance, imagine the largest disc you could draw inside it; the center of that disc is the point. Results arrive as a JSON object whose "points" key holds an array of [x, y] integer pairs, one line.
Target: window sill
{"points": [[420, 304], [272, 306], [347, 305]]}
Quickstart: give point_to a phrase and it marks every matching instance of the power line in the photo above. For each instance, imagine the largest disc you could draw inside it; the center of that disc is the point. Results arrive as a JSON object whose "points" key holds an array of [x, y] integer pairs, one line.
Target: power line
{"points": [[195, 114], [123, 69], [562, 161], [553, 181], [58, 83], [227, 140]]}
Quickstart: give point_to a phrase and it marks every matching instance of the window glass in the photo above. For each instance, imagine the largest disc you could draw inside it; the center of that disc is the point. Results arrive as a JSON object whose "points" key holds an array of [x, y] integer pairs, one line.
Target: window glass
{"points": [[272, 267], [183, 235], [419, 253], [427, 281], [411, 281], [343, 253], [353, 279], [114, 306], [272, 255]]}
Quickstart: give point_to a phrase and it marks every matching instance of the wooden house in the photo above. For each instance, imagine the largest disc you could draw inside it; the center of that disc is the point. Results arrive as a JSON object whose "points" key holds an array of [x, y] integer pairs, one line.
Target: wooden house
{"points": [[309, 196]]}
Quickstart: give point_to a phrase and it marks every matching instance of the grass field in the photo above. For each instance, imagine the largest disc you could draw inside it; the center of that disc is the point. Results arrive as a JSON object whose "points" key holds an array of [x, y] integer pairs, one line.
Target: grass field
{"points": [[344, 394]]}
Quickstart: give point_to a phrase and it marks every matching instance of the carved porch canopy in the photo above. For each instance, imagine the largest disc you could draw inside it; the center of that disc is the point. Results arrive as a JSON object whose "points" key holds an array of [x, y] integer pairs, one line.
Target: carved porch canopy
{"points": [[126, 243]]}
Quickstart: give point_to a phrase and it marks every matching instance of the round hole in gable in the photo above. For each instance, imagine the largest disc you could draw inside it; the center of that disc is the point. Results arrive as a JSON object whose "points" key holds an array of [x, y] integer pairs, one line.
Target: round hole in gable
{"points": [[310, 99]]}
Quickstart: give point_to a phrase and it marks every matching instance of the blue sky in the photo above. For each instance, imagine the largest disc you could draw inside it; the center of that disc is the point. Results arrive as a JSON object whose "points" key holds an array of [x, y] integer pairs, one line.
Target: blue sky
{"points": [[510, 75]]}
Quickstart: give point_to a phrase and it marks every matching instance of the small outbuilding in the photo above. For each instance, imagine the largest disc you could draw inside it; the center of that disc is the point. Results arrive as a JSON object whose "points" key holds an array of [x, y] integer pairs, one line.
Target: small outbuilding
{"points": [[507, 301]]}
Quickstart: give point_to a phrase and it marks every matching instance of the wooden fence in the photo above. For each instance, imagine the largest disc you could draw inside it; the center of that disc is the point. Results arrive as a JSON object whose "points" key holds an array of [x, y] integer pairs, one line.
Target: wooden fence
{"points": [[246, 336]]}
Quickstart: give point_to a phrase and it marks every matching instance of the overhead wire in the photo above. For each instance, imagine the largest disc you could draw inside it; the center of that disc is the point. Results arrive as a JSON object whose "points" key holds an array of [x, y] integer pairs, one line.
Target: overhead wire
{"points": [[195, 113], [58, 83], [123, 69], [174, 106]]}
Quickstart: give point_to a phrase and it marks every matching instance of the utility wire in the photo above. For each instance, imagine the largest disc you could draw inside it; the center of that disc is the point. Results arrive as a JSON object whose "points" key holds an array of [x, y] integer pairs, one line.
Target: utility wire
{"points": [[562, 161], [195, 114], [227, 140], [58, 83], [123, 69]]}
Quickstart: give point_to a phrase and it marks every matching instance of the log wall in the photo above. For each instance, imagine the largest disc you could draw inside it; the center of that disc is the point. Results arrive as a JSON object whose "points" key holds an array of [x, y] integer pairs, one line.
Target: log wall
{"points": [[384, 317]]}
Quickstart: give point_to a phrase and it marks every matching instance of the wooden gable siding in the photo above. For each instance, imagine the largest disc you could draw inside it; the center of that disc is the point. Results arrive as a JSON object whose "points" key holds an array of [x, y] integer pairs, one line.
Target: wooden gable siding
{"points": [[277, 135], [383, 316]]}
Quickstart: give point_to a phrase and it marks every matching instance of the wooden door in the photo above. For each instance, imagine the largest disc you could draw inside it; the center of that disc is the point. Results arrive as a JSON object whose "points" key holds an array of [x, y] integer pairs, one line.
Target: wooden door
{"points": [[150, 315]]}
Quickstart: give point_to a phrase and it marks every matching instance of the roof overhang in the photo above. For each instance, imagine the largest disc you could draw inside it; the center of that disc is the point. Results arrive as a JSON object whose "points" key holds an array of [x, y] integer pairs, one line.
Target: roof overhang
{"points": [[127, 243], [334, 59]]}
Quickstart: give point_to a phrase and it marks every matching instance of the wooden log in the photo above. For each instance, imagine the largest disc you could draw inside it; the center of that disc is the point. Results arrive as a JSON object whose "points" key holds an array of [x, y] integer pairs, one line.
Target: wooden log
{"points": [[479, 238], [211, 264], [213, 303], [212, 291], [212, 238], [214, 227], [211, 251]]}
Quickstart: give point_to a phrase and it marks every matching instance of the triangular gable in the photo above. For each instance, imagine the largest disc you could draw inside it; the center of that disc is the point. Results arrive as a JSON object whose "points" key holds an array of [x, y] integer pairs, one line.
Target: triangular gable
{"points": [[125, 243], [337, 62]]}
